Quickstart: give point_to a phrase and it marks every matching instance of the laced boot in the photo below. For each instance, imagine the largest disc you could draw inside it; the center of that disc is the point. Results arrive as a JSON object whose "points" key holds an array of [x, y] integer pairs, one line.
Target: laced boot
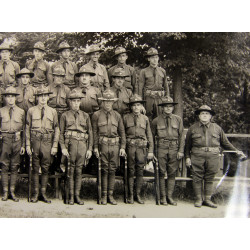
{"points": [[131, 190], [5, 184], [104, 188], [197, 191], [104, 198], [170, 185], [78, 185], [34, 197], [139, 182], [111, 199], [13, 178], [163, 200], [44, 183], [208, 193]]}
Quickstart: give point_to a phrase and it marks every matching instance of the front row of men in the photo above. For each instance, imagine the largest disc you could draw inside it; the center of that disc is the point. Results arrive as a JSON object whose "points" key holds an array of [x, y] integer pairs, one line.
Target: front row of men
{"points": [[110, 136]]}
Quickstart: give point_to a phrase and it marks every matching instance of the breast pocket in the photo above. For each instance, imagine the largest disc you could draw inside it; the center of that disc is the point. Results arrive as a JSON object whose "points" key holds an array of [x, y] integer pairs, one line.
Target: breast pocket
{"points": [[215, 140], [196, 139], [49, 121], [63, 99], [41, 72], [18, 122], [5, 123], [103, 127], [70, 123], [93, 99], [161, 130], [36, 121], [149, 77], [175, 129], [83, 123]]}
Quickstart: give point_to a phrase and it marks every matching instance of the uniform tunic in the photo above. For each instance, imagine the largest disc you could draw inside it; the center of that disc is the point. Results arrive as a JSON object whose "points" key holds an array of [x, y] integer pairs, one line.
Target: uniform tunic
{"points": [[12, 131], [130, 80], [8, 75], [203, 144], [170, 141]]}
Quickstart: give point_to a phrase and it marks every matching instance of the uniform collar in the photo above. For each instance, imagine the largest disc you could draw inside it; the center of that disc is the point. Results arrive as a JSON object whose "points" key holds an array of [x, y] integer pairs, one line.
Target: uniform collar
{"points": [[7, 62], [106, 112], [206, 125], [121, 65], [92, 63], [167, 116], [75, 112], [153, 67], [63, 60], [11, 107], [134, 115], [40, 106]]}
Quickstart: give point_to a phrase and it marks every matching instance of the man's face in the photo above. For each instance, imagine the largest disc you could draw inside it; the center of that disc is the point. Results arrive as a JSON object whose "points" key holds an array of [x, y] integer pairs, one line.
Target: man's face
{"points": [[84, 79], [122, 58], [5, 55], [65, 54], [38, 54], [10, 100], [25, 79], [205, 117], [58, 79], [75, 104], [168, 109], [94, 56], [136, 108], [43, 99], [118, 81], [153, 60], [108, 105]]}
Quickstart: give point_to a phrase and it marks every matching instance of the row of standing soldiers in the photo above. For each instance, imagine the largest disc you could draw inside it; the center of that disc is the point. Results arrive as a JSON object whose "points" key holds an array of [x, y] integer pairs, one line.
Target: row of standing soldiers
{"points": [[84, 114]]}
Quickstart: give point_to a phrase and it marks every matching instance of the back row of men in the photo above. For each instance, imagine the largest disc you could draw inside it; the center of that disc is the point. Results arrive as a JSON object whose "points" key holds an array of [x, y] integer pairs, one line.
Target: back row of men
{"points": [[89, 123]]}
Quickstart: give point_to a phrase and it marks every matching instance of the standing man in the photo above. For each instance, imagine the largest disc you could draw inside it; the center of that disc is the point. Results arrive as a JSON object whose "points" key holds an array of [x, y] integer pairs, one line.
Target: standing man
{"points": [[8, 68], [109, 143], [76, 140], [121, 54], [12, 122], [153, 84], [42, 136], [70, 67], [26, 98], [203, 142], [121, 93], [89, 100], [140, 146], [167, 129], [41, 68], [100, 80]]}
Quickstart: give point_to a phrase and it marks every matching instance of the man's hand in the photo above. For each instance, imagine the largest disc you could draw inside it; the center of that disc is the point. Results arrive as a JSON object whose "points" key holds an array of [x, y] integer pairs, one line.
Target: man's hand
{"points": [[88, 154], [188, 162], [150, 156], [28, 150], [65, 152], [96, 152], [22, 151], [180, 155], [143, 110], [53, 151], [122, 152]]}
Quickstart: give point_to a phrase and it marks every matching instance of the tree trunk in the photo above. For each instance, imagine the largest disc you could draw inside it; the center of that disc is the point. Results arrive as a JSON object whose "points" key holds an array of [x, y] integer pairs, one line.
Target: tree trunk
{"points": [[177, 91]]}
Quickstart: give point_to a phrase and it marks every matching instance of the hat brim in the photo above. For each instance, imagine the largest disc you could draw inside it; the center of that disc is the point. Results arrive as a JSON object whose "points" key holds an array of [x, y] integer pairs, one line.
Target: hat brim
{"points": [[21, 74], [43, 50], [152, 55], [168, 103], [142, 102], [77, 97], [54, 74], [58, 50], [120, 76], [105, 99], [86, 72], [197, 112], [10, 49], [46, 93], [10, 94], [126, 52], [100, 50]]}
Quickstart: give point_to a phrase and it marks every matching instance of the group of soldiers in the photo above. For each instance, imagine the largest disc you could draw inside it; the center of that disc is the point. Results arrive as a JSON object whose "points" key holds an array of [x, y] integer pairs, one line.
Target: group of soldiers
{"points": [[58, 110]]}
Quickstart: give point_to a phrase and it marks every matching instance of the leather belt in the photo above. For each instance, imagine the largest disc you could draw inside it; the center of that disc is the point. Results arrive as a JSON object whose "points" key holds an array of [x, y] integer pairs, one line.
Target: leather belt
{"points": [[167, 142], [207, 149], [137, 142], [109, 140], [155, 93], [42, 136], [15, 135], [76, 135]]}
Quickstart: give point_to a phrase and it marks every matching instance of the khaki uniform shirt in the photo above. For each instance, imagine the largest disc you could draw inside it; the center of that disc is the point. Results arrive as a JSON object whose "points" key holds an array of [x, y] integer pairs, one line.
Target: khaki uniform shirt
{"points": [[80, 123], [8, 76], [101, 126], [42, 71], [49, 123], [58, 98], [138, 127]]}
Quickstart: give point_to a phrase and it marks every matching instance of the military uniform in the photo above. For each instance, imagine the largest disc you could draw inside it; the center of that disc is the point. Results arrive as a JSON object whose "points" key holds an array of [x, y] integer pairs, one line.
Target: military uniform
{"points": [[69, 67], [26, 98], [100, 80], [170, 141], [89, 100], [139, 144], [203, 142], [12, 139], [109, 137], [8, 70], [77, 136], [41, 68], [153, 85], [42, 134], [130, 80]]}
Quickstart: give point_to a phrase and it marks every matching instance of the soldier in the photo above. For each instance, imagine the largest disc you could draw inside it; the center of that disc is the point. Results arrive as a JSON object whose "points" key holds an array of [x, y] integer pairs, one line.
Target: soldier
{"points": [[170, 147], [8, 68], [203, 142], [12, 120], [108, 130], [89, 101], [130, 80], [153, 84], [69, 66], [76, 140], [26, 98], [100, 80], [139, 145], [41, 68], [42, 136], [121, 93]]}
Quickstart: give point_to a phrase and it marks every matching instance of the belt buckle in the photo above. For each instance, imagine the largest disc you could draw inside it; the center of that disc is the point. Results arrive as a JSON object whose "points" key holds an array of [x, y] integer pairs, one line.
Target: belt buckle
{"points": [[78, 135]]}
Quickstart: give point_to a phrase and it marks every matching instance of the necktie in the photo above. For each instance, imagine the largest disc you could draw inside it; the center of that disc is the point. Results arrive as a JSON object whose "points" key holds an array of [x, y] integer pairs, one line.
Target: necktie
{"points": [[58, 95], [94, 65], [76, 117], [24, 92], [170, 132], [34, 65], [109, 123], [65, 65], [42, 113], [4, 65], [154, 73], [205, 133], [11, 111], [136, 120]]}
